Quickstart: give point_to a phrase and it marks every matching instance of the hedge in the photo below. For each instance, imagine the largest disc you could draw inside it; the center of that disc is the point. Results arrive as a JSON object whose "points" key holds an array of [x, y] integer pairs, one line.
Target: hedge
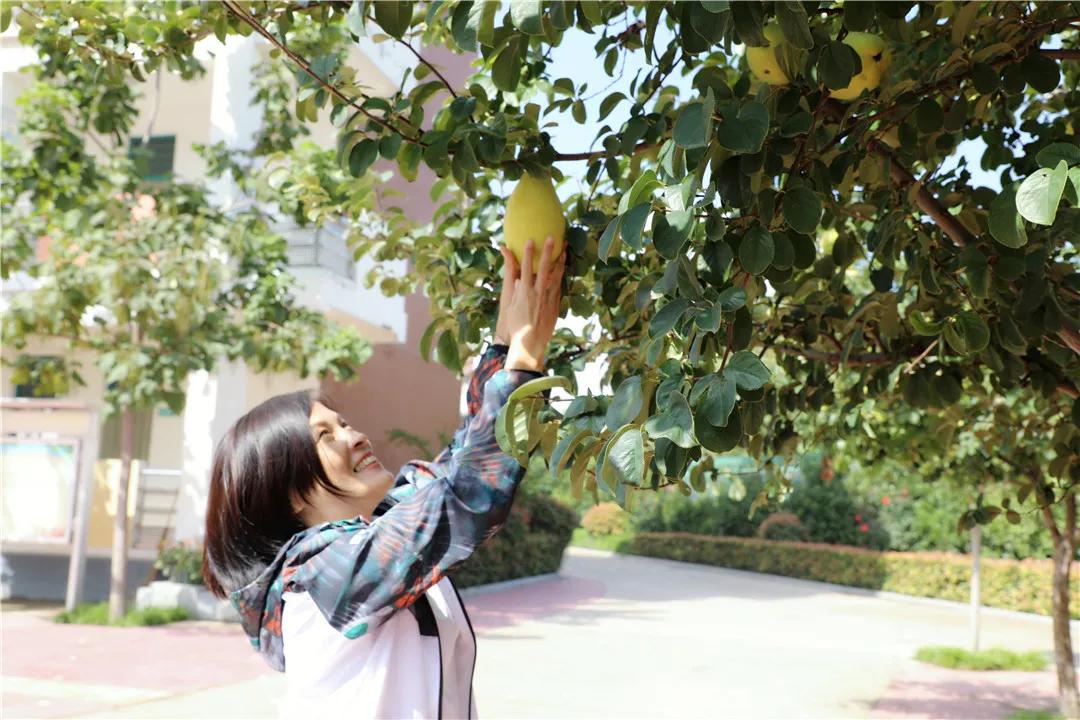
{"points": [[531, 542], [1023, 585]]}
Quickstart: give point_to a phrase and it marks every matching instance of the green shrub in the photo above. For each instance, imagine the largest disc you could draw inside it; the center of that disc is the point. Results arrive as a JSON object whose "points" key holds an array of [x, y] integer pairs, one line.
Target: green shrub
{"points": [[1022, 585], [783, 526], [607, 518], [180, 563], [989, 659], [530, 543], [712, 513], [615, 543], [98, 614]]}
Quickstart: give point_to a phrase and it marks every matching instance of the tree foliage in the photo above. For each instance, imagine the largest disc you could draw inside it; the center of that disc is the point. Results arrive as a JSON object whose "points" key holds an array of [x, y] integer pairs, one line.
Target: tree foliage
{"points": [[745, 253]]}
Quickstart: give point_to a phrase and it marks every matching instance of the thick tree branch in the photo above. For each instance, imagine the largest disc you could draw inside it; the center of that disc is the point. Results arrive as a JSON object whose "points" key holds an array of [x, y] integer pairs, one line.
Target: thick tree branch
{"points": [[1060, 54]]}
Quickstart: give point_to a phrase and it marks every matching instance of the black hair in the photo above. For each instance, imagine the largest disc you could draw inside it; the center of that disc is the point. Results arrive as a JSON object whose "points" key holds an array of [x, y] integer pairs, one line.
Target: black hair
{"points": [[266, 458]]}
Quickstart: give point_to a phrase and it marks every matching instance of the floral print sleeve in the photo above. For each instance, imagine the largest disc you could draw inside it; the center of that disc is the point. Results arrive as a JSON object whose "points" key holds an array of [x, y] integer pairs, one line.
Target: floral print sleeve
{"points": [[359, 573]]}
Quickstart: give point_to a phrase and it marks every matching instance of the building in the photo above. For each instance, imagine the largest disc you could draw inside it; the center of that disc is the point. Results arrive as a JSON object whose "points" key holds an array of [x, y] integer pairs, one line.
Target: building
{"points": [[396, 389]]}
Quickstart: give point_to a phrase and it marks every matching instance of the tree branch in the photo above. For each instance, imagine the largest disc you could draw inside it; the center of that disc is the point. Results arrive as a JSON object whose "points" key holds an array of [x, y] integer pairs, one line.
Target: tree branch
{"points": [[1060, 54], [234, 8], [835, 358], [431, 67], [569, 157]]}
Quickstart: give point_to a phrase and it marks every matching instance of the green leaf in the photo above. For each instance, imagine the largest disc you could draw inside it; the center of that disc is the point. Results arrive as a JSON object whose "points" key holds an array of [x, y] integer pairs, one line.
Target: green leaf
{"points": [[564, 449], [608, 104], [676, 424], [506, 70], [962, 22], [794, 23], [671, 231], [708, 320], [607, 240], [719, 439], [747, 370], [667, 316], [929, 115], [802, 210], [577, 110], [1006, 226], [797, 124], [394, 16], [1054, 153], [363, 154], [837, 64], [482, 21], [731, 299], [756, 250], [526, 16], [354, 19], [967, 333], [749, 19], [447, 351], [858, 15], [1039, 195], [632, 223], [425, 339], [591, 10], [540, 385], [1041, 72], [720, 401], [693, 127], [625, 455], [626, 404], [744, 127], [409, 161]]}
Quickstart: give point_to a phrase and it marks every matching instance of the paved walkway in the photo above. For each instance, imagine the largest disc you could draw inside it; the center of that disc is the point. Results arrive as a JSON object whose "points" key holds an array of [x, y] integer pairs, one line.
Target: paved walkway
{"points": [[611, 637]]}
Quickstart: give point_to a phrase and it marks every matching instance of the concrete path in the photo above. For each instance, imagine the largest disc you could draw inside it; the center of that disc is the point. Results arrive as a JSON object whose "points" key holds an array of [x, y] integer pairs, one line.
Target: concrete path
{"points": [[611, 637]]}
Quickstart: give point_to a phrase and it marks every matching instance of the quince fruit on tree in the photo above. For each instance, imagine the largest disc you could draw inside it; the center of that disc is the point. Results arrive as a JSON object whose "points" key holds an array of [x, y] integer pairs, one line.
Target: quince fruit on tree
{"points": [[762, 60], [876, 59], [533, 212]]}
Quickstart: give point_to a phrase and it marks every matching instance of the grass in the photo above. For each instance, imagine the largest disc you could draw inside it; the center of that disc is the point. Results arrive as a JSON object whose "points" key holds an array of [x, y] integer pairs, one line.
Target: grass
{"points": [[98, 614], [582, 538], [1034, 715], [990, 659]]}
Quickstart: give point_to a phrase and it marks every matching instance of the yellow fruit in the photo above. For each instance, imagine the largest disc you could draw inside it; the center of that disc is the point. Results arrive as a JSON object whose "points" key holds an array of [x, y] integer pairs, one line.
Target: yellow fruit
{"points": [[762, 60], [533, 212], [868, 79], [876, 59], [872, 47]]}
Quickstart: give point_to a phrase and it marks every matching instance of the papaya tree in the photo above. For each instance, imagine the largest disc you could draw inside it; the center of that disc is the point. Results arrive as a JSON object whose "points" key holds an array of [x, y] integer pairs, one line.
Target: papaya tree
{"points": [[889, 181]]}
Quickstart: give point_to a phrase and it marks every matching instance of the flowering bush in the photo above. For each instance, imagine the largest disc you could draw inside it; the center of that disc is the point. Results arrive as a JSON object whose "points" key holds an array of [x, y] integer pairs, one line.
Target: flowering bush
{"points": [[607, 518]]}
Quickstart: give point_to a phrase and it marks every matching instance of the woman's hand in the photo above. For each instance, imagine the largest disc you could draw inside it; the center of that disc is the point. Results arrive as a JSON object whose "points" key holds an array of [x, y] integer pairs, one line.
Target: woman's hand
{"points": [[529, 305]]}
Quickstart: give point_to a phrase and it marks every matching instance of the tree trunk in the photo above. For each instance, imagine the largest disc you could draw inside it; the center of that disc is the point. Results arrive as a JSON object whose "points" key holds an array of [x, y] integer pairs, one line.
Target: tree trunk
{"points": [[1068, 697], [118, 584], [976, 600]]}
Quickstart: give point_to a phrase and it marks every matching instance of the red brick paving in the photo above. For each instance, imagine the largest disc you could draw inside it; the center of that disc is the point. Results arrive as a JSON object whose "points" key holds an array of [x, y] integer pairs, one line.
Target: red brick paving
{"points": [[927, 691]]}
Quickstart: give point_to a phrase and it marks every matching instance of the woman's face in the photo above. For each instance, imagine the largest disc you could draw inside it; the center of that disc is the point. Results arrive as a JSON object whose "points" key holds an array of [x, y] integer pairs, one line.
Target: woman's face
{"points": [[352, 467]]}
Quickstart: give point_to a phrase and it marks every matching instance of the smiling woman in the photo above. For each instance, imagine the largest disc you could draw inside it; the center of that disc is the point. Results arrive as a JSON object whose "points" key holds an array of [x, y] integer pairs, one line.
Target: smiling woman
{"points": [[338, 567]]}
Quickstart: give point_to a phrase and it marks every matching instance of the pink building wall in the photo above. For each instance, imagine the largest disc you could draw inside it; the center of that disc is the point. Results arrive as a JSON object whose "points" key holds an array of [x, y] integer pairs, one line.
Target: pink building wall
{"points": [[396, 388]]}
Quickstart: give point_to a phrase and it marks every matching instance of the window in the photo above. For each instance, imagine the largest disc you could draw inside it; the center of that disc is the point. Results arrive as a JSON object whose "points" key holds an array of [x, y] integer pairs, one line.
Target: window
{"points": [[156, 163], [35, 377]]}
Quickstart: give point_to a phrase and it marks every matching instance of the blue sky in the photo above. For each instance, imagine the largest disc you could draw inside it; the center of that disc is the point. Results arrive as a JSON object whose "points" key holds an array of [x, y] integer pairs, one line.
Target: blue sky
{"points": [[575, 58]]}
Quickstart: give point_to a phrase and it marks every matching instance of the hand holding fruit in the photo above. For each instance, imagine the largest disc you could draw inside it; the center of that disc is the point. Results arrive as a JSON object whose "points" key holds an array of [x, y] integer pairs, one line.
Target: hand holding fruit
{"points": [[529, 304]]}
